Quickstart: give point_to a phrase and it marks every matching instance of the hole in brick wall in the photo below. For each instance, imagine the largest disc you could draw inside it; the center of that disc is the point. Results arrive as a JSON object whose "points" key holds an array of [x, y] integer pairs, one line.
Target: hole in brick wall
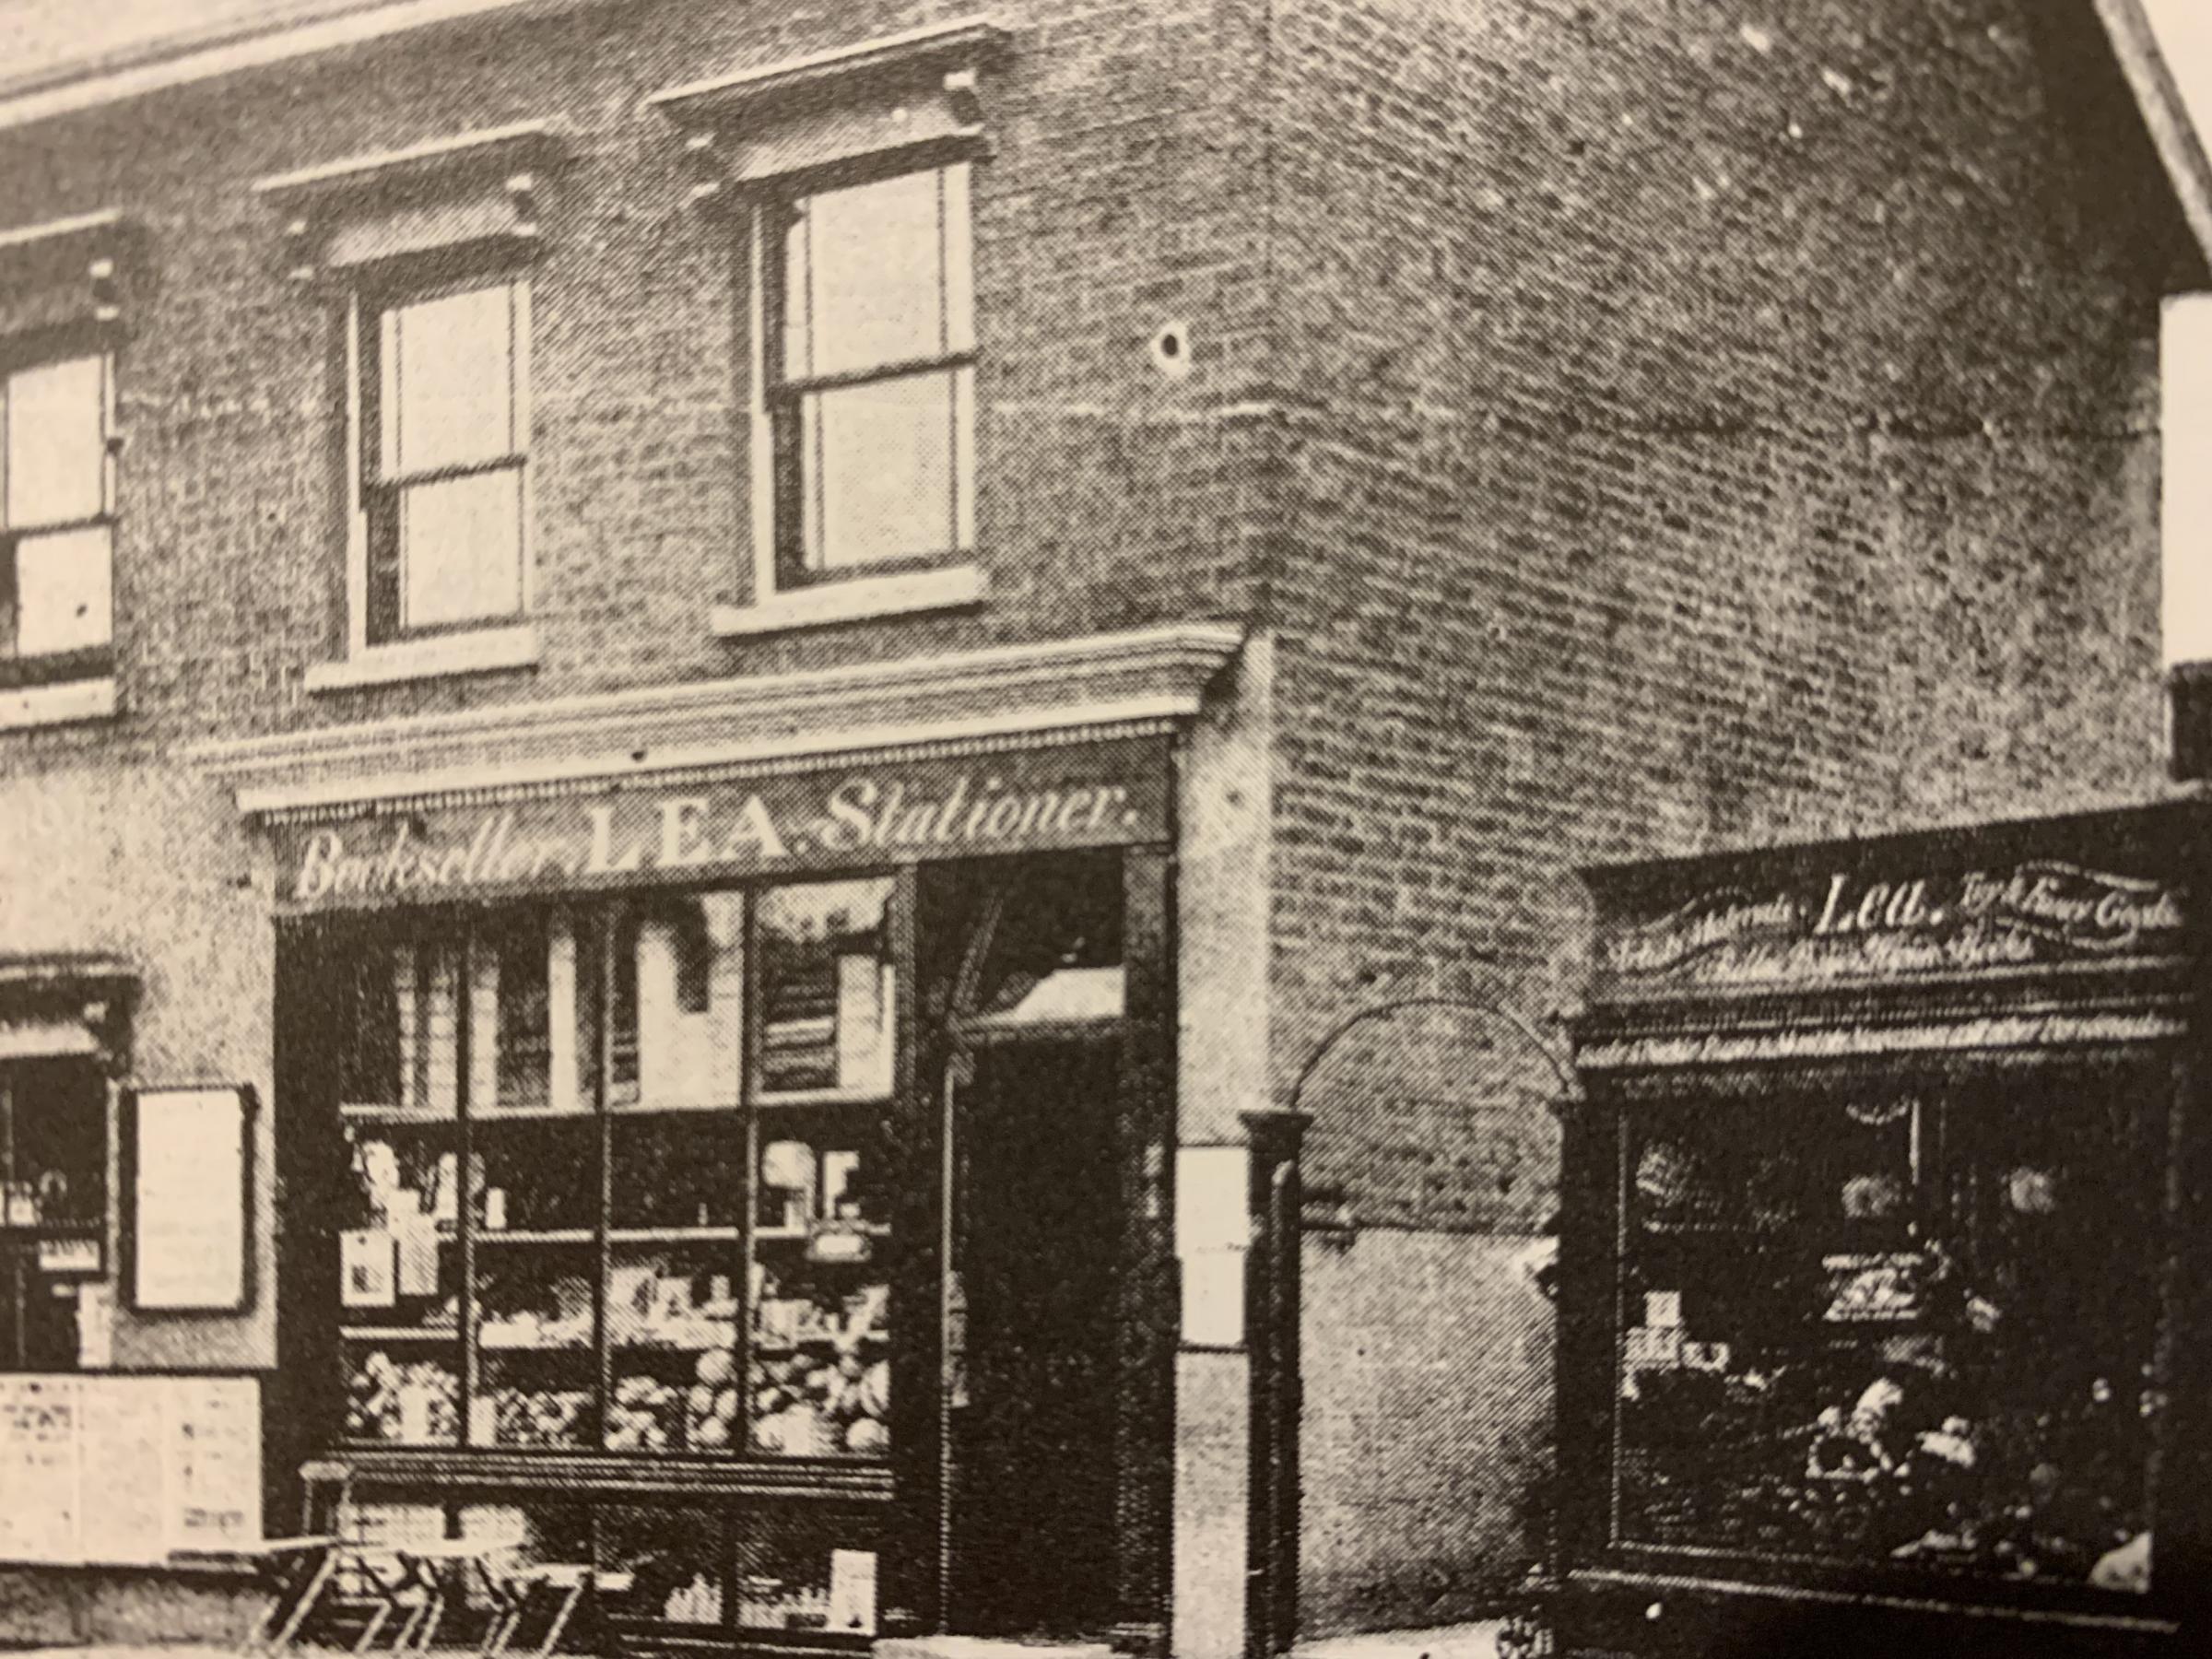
{"points": [[1171, 350]]}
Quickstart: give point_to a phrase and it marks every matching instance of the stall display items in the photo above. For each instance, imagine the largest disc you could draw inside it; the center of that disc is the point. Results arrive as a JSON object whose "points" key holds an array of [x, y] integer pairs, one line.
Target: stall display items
{"points": [[1876, 1243]]}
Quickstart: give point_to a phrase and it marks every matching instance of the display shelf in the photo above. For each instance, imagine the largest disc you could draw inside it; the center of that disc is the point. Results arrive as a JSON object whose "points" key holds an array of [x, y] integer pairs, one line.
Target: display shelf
{"points": [[54, 1229], [399, 1333], [674, 1235], [534, 1235], [506, 1350], [814, 1345], [485, 1116]]}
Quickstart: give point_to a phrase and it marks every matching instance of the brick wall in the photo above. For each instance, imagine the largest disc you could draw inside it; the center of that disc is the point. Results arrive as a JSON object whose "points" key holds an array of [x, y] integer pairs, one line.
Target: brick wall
{"points": [[1710, 430], [1110, 495], [1705, 424]]}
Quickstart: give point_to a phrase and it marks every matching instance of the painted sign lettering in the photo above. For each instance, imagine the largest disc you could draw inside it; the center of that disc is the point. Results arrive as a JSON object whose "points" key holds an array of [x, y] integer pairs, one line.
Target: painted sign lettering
{"points": [[1849, 925], [1103, 795]]}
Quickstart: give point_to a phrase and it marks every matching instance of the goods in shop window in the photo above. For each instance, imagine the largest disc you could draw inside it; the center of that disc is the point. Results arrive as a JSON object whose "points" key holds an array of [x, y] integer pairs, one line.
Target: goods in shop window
{"points": [[2031, 1192], [1873, 1289], [819, 1405], [528, 1314], [537, 1418], [787, 1179], [368, 1268], [711, 1412], [646, 1415], [696, 1601], [772, 1604], [660, 1305], [417, 1402]]}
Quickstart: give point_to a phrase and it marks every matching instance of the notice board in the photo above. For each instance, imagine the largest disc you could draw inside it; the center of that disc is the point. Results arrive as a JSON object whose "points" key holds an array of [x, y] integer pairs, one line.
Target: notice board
{"points": [[120, 1471], [189, 1155]]}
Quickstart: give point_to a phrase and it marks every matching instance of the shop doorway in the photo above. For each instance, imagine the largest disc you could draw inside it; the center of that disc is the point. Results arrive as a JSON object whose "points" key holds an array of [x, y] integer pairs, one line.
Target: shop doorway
{"points": [[1033, 1008], [1033, 1506]]}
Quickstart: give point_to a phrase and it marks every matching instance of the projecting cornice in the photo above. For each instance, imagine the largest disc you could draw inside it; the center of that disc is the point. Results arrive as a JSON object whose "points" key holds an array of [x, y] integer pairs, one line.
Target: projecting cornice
{"points": [[905, 94], [1040, 692]]}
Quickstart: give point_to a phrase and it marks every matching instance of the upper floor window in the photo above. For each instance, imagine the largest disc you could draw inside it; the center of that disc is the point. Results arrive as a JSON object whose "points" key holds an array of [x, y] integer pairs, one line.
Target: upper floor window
{"points": [[869, 338], [444, 418], [57, 493], [428, 251]]}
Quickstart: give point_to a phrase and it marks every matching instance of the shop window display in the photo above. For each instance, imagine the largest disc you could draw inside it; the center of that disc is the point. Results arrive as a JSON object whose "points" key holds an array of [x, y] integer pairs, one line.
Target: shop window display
{"points": [[667, 1114], [53, 1205], [1904, 1326]]}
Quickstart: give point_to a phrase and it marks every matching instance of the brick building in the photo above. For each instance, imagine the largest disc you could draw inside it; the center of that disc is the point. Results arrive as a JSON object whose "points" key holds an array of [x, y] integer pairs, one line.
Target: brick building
{"points": [[853, 570]]}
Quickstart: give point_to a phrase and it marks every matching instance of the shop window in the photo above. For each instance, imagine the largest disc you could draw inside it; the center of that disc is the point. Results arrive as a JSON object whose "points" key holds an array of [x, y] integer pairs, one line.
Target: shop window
{"points": [[1045, 947], [870, 373], [671, 1249], [53, 1205], [444, 423], [827, 990], [58, 528], [1891, 1326]]}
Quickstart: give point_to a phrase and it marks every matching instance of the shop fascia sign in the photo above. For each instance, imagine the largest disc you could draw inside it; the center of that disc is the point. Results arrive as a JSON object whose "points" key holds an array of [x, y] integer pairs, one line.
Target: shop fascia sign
{"points": [[1851, 924], [1091, 796]]}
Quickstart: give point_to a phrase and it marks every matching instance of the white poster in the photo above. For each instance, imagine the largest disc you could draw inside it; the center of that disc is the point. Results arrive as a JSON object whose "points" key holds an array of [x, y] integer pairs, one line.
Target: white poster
{"points": [[852, 1591], [212, 1462], [123, 1475], [189, 1210], [38, 1483]]}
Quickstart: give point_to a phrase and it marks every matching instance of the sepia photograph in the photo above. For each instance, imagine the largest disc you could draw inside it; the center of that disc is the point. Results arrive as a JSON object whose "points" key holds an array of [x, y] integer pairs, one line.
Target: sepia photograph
{"points": [[1106, 828]]}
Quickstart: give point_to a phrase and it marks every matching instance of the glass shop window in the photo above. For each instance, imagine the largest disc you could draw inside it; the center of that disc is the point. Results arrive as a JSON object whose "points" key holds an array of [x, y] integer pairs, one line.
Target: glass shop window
{"points": [[53, 1205], [595, 1208], [1896, 1326]]}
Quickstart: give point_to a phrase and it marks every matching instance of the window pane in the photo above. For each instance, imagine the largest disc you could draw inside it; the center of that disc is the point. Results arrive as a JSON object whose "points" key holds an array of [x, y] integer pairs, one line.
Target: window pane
{"points": [[57, 443], [799, 304], [877, 273], [448, 376], [960, 262], [461, 548], [963, 481], [827, 999], [883, 458], [61, 592]]}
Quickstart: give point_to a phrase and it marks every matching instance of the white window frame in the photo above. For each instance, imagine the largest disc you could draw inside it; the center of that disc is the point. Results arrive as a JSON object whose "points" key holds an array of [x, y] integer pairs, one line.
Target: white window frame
{"points": [[27, 686], [492, 643], [939, 577]]}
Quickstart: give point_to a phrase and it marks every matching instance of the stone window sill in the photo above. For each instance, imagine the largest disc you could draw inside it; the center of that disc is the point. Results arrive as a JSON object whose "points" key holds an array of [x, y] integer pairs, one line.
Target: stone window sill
{"points": [[486, 652], [856, 601], [69, 704]]}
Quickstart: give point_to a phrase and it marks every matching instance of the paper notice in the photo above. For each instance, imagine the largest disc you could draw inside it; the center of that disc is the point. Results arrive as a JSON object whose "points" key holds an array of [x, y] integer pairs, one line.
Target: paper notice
{"points": [[853, 1590]]}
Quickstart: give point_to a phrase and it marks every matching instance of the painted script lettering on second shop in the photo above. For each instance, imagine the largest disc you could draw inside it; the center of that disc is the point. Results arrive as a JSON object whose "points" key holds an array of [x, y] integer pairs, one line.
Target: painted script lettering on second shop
{"points": [[1853, 925], [768, 824]]}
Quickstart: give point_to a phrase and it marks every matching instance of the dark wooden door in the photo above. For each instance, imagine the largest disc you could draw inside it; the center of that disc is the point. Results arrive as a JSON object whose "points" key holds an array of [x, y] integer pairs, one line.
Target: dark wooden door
{"points": [[1033, 1512]]}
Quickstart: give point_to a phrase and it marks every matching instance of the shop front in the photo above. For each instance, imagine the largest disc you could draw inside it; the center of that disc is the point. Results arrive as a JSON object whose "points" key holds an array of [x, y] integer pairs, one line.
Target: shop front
{"points": [[1883, 1278], [721, 1182], [746, 1169]]}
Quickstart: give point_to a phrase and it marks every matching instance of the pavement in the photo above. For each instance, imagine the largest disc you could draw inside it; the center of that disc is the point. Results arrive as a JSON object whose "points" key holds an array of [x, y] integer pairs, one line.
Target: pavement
{"points": [[1445, 1641]]}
